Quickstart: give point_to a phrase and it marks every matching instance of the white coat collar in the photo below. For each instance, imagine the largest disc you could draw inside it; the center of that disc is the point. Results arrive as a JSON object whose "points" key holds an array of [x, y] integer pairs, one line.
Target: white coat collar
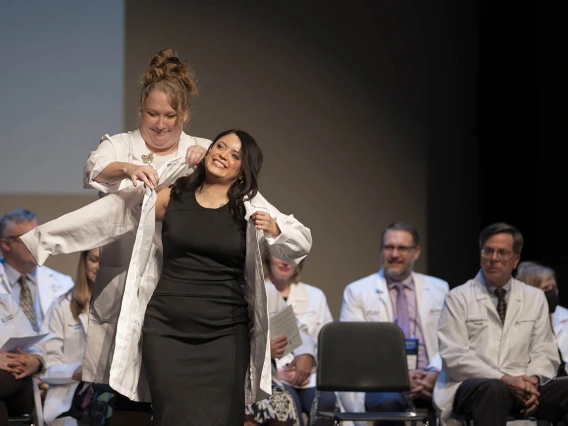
{"points": [[513, 305]]}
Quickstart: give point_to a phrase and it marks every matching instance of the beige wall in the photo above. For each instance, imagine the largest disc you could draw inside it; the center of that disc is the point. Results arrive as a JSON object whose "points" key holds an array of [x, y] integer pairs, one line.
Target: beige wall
{"points": [[338, 97], [48, 207]]}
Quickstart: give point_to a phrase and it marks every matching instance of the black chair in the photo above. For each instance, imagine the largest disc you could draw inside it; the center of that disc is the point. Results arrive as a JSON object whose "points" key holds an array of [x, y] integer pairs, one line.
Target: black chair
{"points": [[468, 421], [363, 357], [26, 420], [35, 418]]}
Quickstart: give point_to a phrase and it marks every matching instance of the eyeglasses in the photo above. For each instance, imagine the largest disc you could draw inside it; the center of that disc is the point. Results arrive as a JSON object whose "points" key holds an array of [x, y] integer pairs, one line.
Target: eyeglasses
{"points": [[502, 254], [13, 237], [400, 249]]}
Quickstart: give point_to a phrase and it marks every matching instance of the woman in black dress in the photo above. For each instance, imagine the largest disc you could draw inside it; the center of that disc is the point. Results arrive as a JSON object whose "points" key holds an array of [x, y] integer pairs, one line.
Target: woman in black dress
{"points": [[195, 337]]}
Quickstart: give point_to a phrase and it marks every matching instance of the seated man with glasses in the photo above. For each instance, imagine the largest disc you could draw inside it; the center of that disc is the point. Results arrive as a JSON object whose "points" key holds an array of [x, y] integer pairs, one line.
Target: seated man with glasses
{"points": [[32, 287], [499, 354], [398, 294]]}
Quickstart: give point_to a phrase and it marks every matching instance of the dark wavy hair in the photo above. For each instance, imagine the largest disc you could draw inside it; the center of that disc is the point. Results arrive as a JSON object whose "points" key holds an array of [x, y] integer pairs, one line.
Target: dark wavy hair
{"points": [[251, 163]]}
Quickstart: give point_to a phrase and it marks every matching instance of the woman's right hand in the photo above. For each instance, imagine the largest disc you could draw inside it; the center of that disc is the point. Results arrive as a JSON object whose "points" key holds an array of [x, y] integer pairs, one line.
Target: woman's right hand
{"points": [[146, 174], [78, 374], [277, 346]]}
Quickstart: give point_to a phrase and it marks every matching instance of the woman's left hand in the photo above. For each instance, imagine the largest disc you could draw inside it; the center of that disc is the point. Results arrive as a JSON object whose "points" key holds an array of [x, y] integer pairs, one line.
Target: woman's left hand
{"points": [[194, 154], [266, 223]]}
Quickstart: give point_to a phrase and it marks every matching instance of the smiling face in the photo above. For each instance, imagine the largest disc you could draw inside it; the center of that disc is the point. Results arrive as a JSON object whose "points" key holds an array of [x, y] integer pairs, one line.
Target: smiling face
{"points": [[399, 252], [160, 124], [92, 265], [281, 271], [223, 161]]}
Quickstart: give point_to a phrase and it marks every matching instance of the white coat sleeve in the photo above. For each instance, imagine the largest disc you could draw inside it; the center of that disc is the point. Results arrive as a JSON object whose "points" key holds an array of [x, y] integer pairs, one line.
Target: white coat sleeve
{"points": [[351, 306], [57, 372], [459, 362], [294, 242], [324, 316], [308, 343], [107, 152], [544, 360], [561, 332], [94, 225]]}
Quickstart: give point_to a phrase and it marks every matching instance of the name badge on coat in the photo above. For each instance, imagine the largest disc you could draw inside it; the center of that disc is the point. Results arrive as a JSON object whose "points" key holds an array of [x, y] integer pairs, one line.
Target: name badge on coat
{"points": [[411, 352]]}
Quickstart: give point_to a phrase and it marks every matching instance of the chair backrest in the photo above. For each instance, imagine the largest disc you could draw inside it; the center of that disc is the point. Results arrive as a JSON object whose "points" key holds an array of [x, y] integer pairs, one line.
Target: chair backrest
{"points": [[362, 357]]}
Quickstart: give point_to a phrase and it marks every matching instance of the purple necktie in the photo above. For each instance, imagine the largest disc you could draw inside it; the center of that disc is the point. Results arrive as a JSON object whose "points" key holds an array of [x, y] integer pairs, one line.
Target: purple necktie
{"points": [[403, 319]]}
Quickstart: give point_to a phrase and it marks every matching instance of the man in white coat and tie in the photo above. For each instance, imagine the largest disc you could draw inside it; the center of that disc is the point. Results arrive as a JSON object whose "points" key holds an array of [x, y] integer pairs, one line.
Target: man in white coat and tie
{"points": [[32, 287], [499, 354], [398, 294]]}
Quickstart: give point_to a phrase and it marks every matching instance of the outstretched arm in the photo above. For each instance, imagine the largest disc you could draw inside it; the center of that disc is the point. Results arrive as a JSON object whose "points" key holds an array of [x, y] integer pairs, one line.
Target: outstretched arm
{"points": [[94, 225]]}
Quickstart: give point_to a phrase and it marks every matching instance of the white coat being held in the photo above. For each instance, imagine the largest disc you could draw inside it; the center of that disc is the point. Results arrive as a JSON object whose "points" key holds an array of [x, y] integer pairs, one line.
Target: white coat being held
{"points": [[132, 210], [115, 257]]}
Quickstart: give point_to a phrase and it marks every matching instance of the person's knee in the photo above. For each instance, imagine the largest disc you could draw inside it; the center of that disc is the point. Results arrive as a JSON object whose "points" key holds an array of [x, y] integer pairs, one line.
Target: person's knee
{"points": [[384, 402], [326, 401], [493, 388]]}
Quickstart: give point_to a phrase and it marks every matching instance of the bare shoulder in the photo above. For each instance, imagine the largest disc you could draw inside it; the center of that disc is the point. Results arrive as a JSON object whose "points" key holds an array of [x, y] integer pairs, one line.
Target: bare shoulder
{"points": [[163, 198]]}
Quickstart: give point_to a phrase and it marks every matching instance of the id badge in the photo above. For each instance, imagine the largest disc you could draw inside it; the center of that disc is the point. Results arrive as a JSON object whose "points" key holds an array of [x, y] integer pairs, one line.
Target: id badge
{"points": [[411, 352]]}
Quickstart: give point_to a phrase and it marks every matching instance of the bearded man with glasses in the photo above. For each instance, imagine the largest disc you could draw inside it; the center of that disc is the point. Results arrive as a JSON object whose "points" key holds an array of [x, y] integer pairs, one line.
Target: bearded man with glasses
{"points": [[396, 293], [499, 354]]}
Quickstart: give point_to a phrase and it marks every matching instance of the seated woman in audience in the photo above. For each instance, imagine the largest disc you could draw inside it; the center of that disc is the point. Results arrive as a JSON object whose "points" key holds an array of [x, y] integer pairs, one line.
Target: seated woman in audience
{"points": [[310, 307], [16, 368], [543, 277], [279, 408], [68, 398]]}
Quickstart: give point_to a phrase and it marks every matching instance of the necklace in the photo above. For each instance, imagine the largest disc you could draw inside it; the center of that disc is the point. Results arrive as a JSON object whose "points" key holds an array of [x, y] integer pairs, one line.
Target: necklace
{"points": [[147, 159]]}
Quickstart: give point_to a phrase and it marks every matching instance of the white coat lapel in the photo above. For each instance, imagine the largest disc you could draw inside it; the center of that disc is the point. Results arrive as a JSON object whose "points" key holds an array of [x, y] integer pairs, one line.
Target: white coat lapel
{"points": [[484, 298], [383, 296], [298, 297], [421, 292], [513, 305], [84, 320], [48, 289], [5, 286]]}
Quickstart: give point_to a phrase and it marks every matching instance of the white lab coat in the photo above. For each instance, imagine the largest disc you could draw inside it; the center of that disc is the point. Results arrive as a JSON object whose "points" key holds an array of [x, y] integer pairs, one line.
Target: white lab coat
{"points": [[64, 347], [310, 307], [275, 303], [368, 299], [473, 344], [14, 323], [50, 284], [114, 215], [560, 326], [115, 257]]}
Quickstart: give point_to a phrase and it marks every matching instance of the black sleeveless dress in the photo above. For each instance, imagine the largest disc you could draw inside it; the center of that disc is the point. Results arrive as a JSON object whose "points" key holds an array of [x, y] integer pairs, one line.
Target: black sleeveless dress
{"points": [[195, 343]]}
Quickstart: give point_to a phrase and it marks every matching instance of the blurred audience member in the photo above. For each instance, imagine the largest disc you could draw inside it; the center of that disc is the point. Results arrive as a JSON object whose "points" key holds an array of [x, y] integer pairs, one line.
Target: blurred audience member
{"points": [[543, 277], [17, 367], [32, 287], [310, 307]]}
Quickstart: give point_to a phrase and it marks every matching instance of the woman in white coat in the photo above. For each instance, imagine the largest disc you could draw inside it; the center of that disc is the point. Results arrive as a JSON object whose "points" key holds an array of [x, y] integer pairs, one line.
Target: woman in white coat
{"points": [[310, 307], [67, 324], [543, 277], [16, 369], [135, 158], [220, 181]]}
